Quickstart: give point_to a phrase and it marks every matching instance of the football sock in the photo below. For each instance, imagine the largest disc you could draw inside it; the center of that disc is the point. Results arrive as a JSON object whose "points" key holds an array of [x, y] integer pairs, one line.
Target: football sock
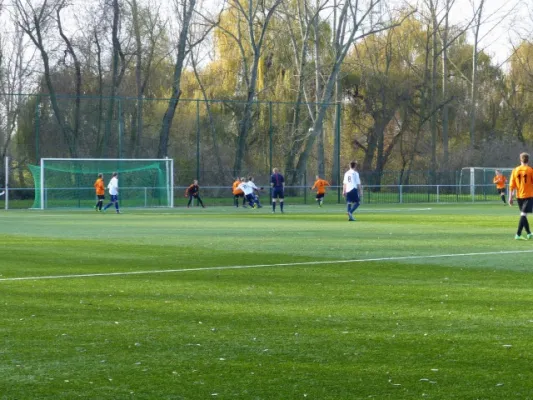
{"points": [[520, 225], [273, 206], [281, 205], [526, 224], [348, 207], [116, 205], [503, 198], [354, 207]]}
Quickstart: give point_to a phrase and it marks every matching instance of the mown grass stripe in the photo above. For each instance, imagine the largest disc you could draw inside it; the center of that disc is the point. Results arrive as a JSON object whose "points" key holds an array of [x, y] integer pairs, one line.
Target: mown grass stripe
{"points": [[229, 267]]}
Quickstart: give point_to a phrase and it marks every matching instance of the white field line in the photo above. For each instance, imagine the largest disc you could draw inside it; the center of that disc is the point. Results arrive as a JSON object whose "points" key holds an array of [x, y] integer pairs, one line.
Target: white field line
{"points": [[168, 271]]}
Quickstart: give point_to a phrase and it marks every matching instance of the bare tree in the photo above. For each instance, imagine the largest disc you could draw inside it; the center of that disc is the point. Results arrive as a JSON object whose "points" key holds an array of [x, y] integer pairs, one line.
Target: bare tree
{"points": [[148, 30], [36, 21], [307, 17], [490, 21], [252, 18], [118, 70], [195, 60], [184, 10], [353, 23], [16, 72], [438, 14]]}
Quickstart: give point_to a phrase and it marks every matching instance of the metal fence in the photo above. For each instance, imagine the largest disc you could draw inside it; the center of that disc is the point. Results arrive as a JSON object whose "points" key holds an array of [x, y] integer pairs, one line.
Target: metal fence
{"points": [[203, 144], [204, 138], [18, 198]]}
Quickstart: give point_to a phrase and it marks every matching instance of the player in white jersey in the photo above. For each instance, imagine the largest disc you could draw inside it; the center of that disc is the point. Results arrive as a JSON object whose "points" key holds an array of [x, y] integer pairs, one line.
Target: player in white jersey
{"points": [[256, 191], [352, 190], [113, 192], [248, 190]]}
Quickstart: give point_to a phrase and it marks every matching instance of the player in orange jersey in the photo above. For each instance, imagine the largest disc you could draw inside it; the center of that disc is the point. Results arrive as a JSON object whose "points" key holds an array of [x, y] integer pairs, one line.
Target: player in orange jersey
{"points": [[320, 187], [238, 193], [500, 180], [100, 192], [521, 184]]}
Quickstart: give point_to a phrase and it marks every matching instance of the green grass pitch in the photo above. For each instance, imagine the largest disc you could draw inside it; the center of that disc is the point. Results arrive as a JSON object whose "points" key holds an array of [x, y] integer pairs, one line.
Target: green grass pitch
{"points": [[408, 302]]}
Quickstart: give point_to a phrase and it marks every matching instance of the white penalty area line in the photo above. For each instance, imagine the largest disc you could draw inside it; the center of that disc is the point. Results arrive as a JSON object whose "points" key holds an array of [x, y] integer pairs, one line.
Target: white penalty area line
{"points": [[296, 264]]}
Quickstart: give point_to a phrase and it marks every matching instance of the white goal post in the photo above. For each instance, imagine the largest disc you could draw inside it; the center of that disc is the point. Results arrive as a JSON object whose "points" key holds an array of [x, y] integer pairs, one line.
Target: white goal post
{"points": [[68, 182]]}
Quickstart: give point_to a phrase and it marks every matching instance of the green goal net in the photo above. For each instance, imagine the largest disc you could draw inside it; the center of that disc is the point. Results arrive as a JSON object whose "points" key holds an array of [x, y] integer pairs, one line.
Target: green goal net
{"points": [[67, 182]]}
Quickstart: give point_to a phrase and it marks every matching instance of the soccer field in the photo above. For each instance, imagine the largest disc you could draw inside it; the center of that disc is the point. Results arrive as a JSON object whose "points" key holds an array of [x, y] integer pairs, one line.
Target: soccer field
{"points": [[410, 301]]}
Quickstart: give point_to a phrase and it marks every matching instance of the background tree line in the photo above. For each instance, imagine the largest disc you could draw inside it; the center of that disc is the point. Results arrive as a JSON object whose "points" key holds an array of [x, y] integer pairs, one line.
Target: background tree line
{"points": [[305, 85]]}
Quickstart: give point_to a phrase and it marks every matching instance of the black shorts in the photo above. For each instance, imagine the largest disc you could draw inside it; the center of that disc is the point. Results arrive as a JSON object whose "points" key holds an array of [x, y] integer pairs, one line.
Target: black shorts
{"points": [[525, 205], [352, 196], [320, 196], [239, 195], [277, 193], [101, 197], [500, 191]]}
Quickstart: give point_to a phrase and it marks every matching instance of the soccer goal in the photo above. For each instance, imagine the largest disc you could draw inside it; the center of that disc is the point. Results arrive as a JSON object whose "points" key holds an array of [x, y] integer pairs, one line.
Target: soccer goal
{"points": [[68, 182], [477, 181]]}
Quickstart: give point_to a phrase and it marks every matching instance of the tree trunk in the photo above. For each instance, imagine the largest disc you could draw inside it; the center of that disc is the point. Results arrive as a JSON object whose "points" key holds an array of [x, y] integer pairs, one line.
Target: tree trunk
{"points": [[318, 89], [445, 109], [474, 76], [244, 126], [114, 78], [137, 127], [368, 159], [99, 138], [433, 123], [422, 118], [77, 67]]}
